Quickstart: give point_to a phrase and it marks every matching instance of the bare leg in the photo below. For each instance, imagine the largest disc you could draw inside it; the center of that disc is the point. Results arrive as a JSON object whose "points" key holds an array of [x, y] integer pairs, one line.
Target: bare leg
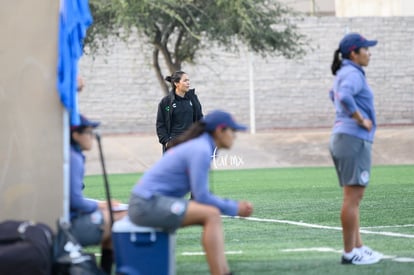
{"points": [[213, 239], [350, 216], [107, 234], [107, 257], [358, 238]]}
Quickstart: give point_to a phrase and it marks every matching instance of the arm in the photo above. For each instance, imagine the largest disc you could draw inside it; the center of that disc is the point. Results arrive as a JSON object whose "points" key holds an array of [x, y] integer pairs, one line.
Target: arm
{"points": [[199, 166], [332, 95], [363, 122], [349, 87], [199, 113], [161, 125], [77, 200]]}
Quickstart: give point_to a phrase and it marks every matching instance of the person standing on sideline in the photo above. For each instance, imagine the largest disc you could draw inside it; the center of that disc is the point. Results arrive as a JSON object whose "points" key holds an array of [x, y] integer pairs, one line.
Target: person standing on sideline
{"points": [[90, 222], [352, 138], [157, 199], [178, 110]]}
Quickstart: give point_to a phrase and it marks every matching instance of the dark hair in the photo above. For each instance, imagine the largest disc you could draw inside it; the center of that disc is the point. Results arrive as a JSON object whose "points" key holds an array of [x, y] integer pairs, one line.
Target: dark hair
{"points": [[79, 130], [175, 78], [337, 60], [194, 131]]}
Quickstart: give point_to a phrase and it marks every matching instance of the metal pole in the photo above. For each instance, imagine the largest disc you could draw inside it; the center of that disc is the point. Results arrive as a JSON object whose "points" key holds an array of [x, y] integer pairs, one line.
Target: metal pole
{"points": [[313, 7], [251, 96], [108, 194], [66, 166]]}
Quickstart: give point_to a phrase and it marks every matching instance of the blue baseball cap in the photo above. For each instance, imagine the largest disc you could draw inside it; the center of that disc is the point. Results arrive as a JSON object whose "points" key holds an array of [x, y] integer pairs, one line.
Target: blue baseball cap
{"points": [[84, 122], [221, 119], [353, 41]]}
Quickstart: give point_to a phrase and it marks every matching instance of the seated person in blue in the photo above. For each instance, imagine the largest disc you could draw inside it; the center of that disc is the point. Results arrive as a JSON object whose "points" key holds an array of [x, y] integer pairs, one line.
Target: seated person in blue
{"points": [[157, 200], [89, 218]]}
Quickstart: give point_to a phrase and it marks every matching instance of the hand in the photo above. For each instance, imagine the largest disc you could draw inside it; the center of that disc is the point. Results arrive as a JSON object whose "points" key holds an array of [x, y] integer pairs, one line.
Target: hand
{"points": [[245, 209], [114, 203], [367, 124], [104, 205]]}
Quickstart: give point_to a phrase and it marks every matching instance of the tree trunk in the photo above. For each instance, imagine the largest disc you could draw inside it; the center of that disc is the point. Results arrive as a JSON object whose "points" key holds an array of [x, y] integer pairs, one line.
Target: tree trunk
{"points": [[158, 72], [160, 46]]}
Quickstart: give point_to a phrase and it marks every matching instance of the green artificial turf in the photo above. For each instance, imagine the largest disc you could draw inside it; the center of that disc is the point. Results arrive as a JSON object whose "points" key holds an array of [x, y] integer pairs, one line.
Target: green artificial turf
{"points": [[273, 244]]}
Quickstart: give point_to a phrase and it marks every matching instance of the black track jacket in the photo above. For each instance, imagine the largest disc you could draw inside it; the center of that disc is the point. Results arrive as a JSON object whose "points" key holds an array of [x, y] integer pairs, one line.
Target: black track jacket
{"points": [[165, 111]]}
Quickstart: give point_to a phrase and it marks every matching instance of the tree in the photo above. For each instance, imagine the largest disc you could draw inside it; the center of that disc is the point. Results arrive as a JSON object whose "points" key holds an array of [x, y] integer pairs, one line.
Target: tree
{"points": [[178, 29]]}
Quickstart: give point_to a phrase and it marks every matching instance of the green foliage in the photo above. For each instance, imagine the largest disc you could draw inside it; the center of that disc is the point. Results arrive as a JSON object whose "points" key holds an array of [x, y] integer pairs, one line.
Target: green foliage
{"points": [[178, 29], [105, 26]]}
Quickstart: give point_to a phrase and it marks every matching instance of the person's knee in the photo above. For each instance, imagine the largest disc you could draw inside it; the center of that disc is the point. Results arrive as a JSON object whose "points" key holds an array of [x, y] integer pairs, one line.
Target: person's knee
{"points": [[213, 214], [352, 201], [353, 194], [357, 197]]}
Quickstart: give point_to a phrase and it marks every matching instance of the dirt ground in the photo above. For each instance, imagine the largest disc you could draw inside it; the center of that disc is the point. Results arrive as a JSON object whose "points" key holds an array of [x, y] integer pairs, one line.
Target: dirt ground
{"points": [[279, 148]]}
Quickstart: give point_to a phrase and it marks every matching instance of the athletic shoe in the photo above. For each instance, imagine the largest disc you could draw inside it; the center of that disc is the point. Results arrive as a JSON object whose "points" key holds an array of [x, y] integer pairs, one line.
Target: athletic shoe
{"points": [[358, 259], [365, 250]]}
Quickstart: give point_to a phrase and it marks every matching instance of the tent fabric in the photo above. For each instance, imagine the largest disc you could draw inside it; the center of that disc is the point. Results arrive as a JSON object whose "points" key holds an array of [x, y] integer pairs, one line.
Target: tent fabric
{"points": [[74, 20]]}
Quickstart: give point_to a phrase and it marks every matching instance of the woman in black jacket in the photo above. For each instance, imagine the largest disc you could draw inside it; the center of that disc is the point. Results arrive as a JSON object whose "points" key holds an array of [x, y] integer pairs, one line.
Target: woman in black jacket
{"points": [[178, 110]]}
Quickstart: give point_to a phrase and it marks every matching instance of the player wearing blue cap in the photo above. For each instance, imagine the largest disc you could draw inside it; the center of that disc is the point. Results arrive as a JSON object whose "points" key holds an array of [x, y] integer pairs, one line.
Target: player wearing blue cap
{"points": [[157, 200], [90, 223], [352, 137]]}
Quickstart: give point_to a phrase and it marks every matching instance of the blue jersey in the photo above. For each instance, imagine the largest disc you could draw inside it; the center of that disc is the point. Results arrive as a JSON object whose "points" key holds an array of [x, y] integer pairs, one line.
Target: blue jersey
{"points": [[352, 93], [78, 203], [182, 169]]}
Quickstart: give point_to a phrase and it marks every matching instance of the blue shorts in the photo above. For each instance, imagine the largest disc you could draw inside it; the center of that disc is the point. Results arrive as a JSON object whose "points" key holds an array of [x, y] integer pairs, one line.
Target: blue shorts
{"points": [[352, 159], [162, 212], [88, 228]]}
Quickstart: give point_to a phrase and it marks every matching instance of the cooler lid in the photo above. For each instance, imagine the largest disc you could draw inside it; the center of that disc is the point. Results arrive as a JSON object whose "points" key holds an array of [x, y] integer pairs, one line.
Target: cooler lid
{"points": [[126, 225]]}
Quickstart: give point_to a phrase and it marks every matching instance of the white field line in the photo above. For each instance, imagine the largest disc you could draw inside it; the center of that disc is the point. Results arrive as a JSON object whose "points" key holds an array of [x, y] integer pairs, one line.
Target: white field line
{"points": [[389, 234], [328, 249], [312, 249], [203, 253], [200, 253], [388, 226]]}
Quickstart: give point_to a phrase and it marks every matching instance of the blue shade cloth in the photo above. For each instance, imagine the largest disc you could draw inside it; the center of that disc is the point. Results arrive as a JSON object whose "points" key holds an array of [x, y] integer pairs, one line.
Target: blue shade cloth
{"points": [[74, 20]]}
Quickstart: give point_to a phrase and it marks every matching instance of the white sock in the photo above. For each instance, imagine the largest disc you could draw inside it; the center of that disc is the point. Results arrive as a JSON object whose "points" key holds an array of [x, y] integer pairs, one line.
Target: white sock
{"points": [[349, 255]]}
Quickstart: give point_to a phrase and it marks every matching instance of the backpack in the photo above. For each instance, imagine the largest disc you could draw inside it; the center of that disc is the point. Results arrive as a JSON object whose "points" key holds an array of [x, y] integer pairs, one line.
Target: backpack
{"points": [[25, 248], [69, 257]]}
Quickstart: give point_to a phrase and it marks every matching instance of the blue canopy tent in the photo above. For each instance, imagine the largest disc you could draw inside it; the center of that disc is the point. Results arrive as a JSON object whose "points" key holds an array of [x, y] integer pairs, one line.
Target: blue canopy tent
{"points": [[74, 20]]}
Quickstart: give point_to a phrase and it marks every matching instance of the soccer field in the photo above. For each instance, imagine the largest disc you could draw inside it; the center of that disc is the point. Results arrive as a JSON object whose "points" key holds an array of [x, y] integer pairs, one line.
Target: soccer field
{"points": [[295, 227]]}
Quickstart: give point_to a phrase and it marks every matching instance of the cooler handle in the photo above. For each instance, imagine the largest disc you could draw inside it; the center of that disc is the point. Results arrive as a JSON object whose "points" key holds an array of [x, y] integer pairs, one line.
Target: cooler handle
{"points": [[135, 238]]}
